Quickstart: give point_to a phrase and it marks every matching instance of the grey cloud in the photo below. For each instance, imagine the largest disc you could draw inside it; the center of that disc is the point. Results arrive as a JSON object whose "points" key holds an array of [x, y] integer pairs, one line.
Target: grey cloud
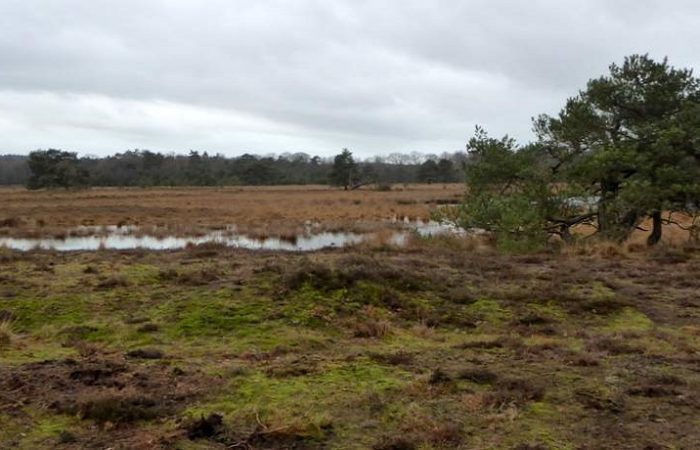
{"points": [[314, 75]]}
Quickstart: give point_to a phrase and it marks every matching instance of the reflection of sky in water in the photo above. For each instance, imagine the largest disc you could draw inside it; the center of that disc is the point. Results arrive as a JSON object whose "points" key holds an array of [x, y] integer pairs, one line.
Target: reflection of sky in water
{"points": [[433, 227], [120, 238], [120, 241]]}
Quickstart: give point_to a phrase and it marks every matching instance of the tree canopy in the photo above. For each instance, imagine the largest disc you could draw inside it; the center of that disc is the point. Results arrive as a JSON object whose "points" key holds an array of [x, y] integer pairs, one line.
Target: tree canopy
{"points": [[55, 168], [624, 149], [344, 171]]}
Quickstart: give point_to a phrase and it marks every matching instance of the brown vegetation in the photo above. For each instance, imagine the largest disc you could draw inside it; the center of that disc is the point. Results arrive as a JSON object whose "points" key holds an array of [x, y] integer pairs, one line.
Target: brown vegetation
{"points": [[438, 344], [258, 210]]}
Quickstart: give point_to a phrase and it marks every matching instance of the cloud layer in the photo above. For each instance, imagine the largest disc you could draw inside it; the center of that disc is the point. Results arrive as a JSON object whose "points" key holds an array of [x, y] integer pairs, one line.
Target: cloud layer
{"points": [[377, 76]]}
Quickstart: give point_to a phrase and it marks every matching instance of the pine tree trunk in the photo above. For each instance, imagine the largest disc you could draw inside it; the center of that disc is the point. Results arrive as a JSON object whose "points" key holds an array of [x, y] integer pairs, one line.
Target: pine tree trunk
{"points": [[655, 235]]}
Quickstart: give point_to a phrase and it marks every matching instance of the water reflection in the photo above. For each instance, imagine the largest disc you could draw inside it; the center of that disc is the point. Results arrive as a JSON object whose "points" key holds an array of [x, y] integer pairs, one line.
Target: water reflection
{"points": [[432, 227], [130, 238], [123, 241]]}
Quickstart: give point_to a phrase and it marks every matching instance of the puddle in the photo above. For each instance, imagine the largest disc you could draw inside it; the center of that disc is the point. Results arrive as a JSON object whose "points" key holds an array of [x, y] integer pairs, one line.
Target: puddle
{"points": [[432, 227], [429, 227], [121, 240], [130, 238]]}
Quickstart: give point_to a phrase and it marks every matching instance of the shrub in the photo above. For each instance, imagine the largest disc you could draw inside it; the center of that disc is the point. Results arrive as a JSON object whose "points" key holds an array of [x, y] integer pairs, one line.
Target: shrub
{"points": [[148, 328], [383, 187], [90, 270], [439, 376], [371, 328], [514, 391], [145, 353], [477, 375], [398, 358], [112, 283]]}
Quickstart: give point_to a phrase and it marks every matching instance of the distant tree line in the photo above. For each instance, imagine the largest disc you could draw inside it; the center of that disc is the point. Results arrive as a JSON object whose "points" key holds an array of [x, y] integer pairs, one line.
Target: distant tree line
{"points": [[61, 169], [14, 170]]}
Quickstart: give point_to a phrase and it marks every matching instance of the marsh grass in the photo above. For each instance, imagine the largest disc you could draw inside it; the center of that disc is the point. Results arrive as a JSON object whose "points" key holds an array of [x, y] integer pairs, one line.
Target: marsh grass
{"points": [[285, 210], [371, 328], [7, 336]]}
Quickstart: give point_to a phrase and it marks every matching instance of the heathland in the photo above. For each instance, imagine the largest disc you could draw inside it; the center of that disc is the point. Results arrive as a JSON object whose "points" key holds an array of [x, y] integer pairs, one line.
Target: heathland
{"points": [[441, 342], [279, 210]]}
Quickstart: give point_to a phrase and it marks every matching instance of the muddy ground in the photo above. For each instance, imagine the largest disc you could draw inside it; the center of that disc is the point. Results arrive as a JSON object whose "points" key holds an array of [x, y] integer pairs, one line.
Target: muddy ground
{"points": [[431, 346]]}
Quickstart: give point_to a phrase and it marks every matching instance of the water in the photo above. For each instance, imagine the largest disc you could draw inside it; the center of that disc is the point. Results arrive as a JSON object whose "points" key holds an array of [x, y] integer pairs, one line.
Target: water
{"points": [[125, 238], [432, 228], [583, 202], [121, 240]]}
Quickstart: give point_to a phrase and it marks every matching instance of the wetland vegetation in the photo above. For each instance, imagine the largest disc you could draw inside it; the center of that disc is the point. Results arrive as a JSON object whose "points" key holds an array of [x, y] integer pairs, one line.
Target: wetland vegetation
{"points": [[561, 317], [443, 342]]}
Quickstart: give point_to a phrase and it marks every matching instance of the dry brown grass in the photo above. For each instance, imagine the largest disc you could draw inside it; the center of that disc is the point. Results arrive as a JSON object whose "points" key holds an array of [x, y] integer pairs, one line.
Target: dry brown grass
{"points": [[260, 209], [673, 234], [6, 334]]}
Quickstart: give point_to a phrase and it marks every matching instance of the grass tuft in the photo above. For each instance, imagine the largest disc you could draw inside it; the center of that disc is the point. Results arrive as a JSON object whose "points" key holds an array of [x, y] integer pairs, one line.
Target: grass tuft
{"points": [[6, 334]]}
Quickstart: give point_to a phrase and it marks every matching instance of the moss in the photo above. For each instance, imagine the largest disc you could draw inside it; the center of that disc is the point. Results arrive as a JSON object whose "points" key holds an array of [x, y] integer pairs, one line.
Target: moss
{"points": [[142, 273], [53, 425], [344, 380], [311, 307], [549, 310], [214, 320], [314, 306], [630, 319], [543, 424], [33, 349], [654, 346], [213, 313], [33, 312], [287, 358], [249, 341], [44, 431], [600, 291], [313, 398], [489, 311], [542, 409]]}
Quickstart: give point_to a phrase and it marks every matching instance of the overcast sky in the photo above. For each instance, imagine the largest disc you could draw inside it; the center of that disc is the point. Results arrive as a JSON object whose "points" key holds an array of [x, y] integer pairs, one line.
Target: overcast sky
{"points": [[265, 76]]}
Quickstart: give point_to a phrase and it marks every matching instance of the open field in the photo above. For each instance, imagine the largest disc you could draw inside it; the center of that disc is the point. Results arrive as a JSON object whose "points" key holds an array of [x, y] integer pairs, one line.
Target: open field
{"points": [[277, 210], [430, 347], [283, 211], [439, 344]]}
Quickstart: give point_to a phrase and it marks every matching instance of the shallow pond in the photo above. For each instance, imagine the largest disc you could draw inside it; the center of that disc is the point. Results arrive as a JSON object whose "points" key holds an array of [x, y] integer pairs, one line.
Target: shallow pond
{"points": [[121, 241], [130, 238]]}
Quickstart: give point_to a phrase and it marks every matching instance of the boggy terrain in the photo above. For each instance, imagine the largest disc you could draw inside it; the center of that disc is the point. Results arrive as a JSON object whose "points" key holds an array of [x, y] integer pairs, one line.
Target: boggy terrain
{"points": [[434, 345], [282, 210]]}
